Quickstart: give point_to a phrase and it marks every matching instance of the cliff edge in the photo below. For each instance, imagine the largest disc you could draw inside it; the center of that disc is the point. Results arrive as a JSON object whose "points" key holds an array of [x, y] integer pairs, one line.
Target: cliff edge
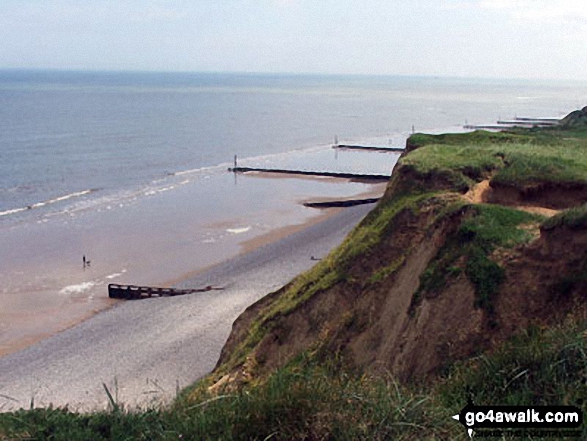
{"points": [[471, 244]]}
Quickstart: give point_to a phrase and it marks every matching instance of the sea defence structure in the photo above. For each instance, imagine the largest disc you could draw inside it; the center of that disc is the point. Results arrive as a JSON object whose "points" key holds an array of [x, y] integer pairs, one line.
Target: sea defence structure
{"points": [[341, 204], [369, 148], [133, 292], [358, 176], [521, 122]]}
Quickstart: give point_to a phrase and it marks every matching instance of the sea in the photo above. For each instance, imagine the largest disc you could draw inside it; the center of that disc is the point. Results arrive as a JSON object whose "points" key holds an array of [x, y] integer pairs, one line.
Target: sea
{"points": [[130, 169]]}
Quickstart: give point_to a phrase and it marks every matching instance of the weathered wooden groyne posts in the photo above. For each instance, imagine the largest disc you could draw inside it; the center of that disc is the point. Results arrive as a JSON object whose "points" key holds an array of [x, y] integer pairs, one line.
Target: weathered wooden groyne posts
{"points": [[341, 204], [523, 122], [357, 176], [528, 123], [134, 292], [369, 148], [547, 120], [336, 145]]}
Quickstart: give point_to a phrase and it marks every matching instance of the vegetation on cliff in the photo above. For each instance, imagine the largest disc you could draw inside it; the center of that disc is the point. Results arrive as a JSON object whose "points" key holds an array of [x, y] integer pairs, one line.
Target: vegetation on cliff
{"points": [[309, 399], [433, 237]]}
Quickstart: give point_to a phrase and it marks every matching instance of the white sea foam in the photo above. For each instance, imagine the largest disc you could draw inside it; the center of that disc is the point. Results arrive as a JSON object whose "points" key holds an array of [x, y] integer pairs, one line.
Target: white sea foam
{"points": [[47, 202], [77, 289], [60, 199], [172, 181], [238, 230], [211, 168], [15, 210]]}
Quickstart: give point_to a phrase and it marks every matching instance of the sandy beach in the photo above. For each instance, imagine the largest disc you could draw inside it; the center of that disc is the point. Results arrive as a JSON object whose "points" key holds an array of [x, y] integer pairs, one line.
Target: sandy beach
{"points": [[160, 239], [145, 351]]}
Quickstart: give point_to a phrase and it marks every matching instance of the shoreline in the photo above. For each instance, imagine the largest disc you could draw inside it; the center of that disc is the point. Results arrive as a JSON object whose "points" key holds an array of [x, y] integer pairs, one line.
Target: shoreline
{"points": [[249, 245], [173, 341], [277, 234], [73, 311]]}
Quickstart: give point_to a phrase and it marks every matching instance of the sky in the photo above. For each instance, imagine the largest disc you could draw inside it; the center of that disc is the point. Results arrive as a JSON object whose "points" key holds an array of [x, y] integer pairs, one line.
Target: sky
{"points": [[464, 38]]}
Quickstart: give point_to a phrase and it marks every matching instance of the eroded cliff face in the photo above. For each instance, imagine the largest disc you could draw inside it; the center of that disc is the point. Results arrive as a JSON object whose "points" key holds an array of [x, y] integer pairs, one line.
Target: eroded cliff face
{"points": [[419, 296]]}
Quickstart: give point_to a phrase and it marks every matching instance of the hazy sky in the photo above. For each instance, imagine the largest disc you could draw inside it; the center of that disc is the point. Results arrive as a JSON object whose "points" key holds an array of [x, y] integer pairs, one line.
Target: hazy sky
{"points": [[482, 38]]}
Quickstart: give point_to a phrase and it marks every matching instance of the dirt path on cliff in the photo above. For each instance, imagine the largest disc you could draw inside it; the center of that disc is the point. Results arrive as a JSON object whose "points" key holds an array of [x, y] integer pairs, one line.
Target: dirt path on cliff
{"points": [[482, 193], [144, 351]]}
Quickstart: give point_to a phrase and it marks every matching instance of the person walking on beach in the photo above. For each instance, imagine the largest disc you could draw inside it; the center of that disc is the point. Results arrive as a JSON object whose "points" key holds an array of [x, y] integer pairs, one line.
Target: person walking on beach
{"points": [[84, 260]]}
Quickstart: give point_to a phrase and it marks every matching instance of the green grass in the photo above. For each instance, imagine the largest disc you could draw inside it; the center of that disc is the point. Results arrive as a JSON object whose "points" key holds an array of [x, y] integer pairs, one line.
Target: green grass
{"points": [[537, 367], [514, 160], [386, 271], [483, 229], [559, 164], [497, 226], [304, 400], [478, 137], [574, 218], [312, 399], [461, 166]]}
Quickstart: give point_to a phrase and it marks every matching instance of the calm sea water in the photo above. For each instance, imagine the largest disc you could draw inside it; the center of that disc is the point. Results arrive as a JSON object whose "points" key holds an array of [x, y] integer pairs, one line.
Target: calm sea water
{"points": [[130, 168], [69, 135]]}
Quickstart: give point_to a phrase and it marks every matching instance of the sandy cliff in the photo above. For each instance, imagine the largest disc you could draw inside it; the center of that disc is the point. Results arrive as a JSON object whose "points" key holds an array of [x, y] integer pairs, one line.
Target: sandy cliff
{"points": [[455, 258]]}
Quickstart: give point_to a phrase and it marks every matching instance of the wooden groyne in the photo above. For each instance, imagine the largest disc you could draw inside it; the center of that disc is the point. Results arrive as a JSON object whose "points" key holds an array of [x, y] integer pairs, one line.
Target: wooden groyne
{"points": [[543, 120], [133, 292], [485, 127], [343, 203], [516, 122], [369, 148], [528, 122], [356, 176]]}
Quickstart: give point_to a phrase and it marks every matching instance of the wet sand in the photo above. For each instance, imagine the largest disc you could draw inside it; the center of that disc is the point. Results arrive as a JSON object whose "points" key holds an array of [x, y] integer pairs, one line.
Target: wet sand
{"points": [[39, 321], [159, 240], [146, 350]]}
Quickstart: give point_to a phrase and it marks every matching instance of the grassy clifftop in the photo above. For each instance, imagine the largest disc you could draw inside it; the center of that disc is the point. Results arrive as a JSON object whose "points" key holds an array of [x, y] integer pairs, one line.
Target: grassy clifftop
{"points": [[463, 216], [467, 279]]}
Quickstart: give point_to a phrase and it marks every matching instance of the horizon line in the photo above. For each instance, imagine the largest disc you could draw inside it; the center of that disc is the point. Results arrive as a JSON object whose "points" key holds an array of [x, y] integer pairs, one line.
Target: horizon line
{"points": [[285, 74]]}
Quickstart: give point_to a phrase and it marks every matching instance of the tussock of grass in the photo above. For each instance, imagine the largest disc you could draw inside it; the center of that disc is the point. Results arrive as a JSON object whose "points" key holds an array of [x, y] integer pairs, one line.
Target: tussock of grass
{"points": [[538, 367], [386, 271], [304, 400], [63, 425], [308, 399], [497, 226], [563, 165], [574, 218], [460, 165]]}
